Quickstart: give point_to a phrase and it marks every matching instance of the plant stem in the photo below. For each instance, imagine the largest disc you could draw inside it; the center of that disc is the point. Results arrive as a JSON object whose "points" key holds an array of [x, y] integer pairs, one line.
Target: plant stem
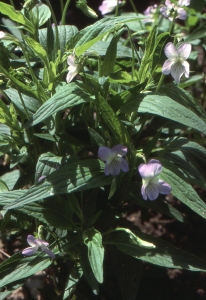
{"points": [[63, 22], [117, 9]]}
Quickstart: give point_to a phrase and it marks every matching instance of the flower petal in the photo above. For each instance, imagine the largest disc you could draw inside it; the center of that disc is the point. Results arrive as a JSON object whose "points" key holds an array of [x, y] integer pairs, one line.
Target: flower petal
{"points": [[144, 195], [164, 187], [183, 2], [2, 34], [31, 240], [171, 51], [151, 169], [168, 3], [177, 70], [181, 13], [166, 68], [186, 65], [113, 167], [152, 190], [184, 50], [104, 153], [71, 60], [40, 242], [47, 251], [71, 74], [30, 250], [120, 149], [124, 165]]}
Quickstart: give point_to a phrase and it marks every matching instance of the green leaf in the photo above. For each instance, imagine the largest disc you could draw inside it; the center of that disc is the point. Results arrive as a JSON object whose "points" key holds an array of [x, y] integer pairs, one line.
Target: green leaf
{"points": [[31, 103], [183, 97], [67, 96], [47, 38], [93, 240], [47, 163], [165, 254], [38, 50], [88, 271], [96, 137], [5, 143], [16, 16], [160, 206], [17, 267], [77, 176], [100, 48], [11, 178], [181, 189], [112, 121], [167, 108], [110, 56], [3, 186], [57, 213], [41, 13], [74, 277], [10, 288]]}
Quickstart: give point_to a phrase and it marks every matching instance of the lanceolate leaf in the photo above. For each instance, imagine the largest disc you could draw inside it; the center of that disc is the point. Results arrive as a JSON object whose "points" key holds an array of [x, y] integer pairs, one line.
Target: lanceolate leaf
{"points": [[67, 96], [181, 189], [78, 176], [167, 108], [17, 267], [112, 121], [16, 16], [165, 254], [93, 240]]}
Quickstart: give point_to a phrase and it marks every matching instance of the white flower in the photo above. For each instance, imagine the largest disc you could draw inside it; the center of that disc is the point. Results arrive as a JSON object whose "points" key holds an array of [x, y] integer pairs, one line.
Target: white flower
{"points": [[35, 245], [2, 34], [176, 63], [108, 6], [73, 68]]}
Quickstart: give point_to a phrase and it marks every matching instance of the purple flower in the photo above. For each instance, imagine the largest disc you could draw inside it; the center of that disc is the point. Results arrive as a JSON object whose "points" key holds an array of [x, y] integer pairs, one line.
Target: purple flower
{"points": [[176, 63], [150, 12], [113, 158], [35, 244], [152, 186], [169, 7]]}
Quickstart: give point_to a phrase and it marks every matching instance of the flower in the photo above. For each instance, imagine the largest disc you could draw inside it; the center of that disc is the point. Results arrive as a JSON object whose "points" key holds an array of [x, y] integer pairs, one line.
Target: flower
{"points": [[73, 68], [176, 63], [152, 186], [108, 6], [169, 6], [35, 244], [150, 12], [113, 158], [2, 34]]}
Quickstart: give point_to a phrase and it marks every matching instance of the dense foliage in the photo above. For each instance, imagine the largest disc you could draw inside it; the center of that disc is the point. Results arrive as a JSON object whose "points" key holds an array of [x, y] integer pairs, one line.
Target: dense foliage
{"points": [[93, 124]]}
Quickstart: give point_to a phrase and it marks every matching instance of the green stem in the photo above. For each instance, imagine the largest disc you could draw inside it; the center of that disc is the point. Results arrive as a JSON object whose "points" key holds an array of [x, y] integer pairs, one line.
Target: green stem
{"points": [[160, 82], [12, 3], [63, 22], [117, 9], [136, 11], [62, 6], [55, 22]]}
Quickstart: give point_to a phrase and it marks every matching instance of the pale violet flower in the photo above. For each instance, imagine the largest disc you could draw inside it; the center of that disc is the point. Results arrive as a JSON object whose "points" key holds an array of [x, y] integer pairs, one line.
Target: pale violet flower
{"points": [[149, 13], [152, 186], [113, 159], [108, 6], [170, 7], [35, 245], [2, 34], [73, 68], [176, 63]]}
